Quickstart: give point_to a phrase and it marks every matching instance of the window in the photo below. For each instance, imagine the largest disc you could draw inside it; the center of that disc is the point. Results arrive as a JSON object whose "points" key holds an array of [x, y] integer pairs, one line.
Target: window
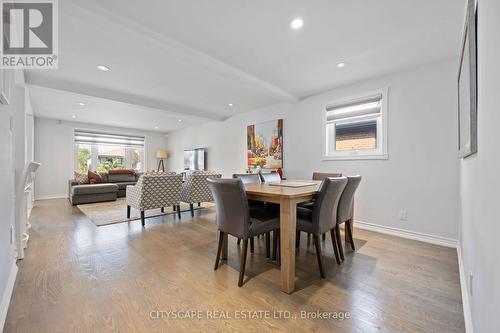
{"points": [[104, 151], [356, 128]]}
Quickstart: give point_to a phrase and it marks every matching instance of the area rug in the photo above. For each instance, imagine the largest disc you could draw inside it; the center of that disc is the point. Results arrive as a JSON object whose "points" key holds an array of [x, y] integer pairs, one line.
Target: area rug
{"points": [[111, 212]]}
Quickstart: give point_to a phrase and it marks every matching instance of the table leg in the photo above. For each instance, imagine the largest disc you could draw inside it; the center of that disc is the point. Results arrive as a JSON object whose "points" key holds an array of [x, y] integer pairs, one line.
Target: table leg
{"points": [[288, 221], [224, 247]]}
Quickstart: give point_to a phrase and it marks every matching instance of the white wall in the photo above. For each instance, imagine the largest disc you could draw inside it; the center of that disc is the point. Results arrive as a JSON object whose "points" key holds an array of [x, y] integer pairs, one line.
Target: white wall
{"points": [[480, 181], [54, 149], [12, 154], [420, 176]]}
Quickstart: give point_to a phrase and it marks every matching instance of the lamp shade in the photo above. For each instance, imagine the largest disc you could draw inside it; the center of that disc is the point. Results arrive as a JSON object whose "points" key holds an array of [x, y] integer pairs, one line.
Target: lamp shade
{"points": [[161, 154]]}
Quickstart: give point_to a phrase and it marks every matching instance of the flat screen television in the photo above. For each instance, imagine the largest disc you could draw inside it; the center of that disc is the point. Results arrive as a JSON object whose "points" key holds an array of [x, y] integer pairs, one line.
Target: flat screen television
{"points": [[194, 159]]}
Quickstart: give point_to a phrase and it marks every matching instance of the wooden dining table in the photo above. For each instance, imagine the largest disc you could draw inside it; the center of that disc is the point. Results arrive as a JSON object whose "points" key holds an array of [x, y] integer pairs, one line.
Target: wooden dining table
{"points": [[288, 194]]}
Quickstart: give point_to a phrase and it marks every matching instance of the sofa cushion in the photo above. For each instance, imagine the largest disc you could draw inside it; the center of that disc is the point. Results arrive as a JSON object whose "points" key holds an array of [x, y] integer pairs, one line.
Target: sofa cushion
{"points": [[118, 178], [94, 189], [121, 171]]}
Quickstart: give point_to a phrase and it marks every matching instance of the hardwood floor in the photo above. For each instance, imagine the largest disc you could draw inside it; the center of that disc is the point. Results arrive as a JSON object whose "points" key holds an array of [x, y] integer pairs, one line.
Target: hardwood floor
{"points": [[81, 278]]}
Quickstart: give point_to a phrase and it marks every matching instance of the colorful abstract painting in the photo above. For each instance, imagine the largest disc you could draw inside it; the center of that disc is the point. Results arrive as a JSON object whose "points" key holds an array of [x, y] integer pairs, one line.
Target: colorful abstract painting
{"points": [[265, 145]]}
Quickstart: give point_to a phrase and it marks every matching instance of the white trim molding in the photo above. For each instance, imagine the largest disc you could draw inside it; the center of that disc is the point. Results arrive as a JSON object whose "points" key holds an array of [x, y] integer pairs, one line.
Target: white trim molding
{"points": [[7, 294], [465, 292], [437, 240]]}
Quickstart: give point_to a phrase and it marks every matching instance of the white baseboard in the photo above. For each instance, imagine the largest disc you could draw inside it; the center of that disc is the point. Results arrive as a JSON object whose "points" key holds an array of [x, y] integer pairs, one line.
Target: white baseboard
{"points": [[4, 306], [438, 240], [51, 196], [465, 293]]}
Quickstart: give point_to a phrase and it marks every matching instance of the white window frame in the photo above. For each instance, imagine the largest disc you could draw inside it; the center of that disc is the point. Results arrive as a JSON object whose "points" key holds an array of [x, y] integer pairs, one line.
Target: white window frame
{"points": [[380, 153], [92, 166]]}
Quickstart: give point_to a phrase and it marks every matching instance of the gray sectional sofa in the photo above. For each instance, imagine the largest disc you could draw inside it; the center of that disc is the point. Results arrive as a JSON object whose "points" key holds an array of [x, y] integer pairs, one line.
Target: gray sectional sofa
{"points": [[113, 186]]}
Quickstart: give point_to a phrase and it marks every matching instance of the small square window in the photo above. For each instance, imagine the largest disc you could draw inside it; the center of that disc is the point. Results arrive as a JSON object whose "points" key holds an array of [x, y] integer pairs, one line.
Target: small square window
{"points": [[355, 129]]}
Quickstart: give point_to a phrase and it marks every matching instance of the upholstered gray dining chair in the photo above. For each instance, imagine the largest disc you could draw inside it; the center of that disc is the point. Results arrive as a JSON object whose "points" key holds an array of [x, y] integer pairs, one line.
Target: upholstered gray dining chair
{"points": [[234, 217], [319, 176], [270, 177], [248, 178], [345, 212], [323, 175], [322, 218]]}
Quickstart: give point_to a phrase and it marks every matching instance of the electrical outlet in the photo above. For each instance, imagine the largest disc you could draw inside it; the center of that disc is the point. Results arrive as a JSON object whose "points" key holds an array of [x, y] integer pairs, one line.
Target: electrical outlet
{"points": [[403, 215], [471, 283]]}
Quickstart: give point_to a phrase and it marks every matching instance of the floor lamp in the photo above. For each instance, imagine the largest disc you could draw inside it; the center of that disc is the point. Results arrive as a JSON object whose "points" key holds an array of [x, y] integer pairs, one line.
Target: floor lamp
{"points": [[161, 155]]}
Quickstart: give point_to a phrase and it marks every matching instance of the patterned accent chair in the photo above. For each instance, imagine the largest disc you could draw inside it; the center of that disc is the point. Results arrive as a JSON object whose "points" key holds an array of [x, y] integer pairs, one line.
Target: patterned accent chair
{"points": [[195, 188], [154, 191]]}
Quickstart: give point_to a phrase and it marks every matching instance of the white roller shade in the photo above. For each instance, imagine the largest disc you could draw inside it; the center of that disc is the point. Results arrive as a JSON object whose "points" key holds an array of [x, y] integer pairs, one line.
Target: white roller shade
{"points": [[87, 137], [369, 106]]}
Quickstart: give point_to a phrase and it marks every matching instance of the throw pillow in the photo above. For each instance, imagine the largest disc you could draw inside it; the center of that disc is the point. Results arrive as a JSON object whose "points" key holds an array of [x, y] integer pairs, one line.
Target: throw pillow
{"points": [[94, 177], [121, 171], [81, 178]]}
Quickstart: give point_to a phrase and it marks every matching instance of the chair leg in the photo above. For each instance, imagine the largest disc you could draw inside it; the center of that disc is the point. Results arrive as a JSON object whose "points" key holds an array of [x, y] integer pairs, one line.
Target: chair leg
{"points": [[339, 242], [128, 211], [219, 249], [297, 239], [243, 261], [324, 236], [179, 211], [173, 207], [239, 241], [199, 204], [335, 246], [143, 218], [191, 208], [252, 245], [348, 229], [275, 244], [318, 255], [162, 209], [278, 259], [268, 244]]}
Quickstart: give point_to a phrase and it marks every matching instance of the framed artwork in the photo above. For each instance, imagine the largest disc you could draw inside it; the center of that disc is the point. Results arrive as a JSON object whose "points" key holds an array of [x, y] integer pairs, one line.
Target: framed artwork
{"points": [[265, 145], [467, 85]]}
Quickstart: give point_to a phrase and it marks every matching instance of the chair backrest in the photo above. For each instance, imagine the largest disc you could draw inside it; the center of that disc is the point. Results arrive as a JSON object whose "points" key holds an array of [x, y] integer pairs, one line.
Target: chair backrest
{"points": [[248, 178], [231, 206], [344, 212], [195, 188], [270, 177], [158, 191], [323, 175], [325, 206]]}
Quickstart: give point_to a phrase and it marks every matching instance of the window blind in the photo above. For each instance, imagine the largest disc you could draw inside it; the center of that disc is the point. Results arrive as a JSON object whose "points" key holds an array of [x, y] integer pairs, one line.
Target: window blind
{"points": [[367, 106], [88, 137]]}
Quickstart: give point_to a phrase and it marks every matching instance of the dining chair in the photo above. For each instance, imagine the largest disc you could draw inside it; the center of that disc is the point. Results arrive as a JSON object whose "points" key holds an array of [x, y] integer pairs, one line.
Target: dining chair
{"points": [[251, 178], [272, 177], [322, 218], [320, 176], [345, 212], [234, 217]]}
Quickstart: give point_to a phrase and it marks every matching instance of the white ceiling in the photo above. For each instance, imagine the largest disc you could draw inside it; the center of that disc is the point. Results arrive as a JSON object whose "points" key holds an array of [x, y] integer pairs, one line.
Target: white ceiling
{"points": [[182, 59]]}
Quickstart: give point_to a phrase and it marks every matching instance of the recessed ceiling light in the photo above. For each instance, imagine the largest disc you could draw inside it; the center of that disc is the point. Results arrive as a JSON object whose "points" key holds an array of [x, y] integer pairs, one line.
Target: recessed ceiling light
{"points": [[179, 120], [156, 127], [81, 103], [341, 64], [230, 104], [297, 23], [103, 68], [73, 116]]}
